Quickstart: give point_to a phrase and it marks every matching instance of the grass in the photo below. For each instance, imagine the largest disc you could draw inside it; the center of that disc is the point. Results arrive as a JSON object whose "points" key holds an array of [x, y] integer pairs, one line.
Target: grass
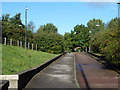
{"points": [[98, 54], [17, 59]]}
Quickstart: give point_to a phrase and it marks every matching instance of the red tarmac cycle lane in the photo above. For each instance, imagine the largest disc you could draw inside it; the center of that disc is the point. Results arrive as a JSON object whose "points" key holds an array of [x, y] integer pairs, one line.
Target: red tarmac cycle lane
{"points": [[92, 74]]}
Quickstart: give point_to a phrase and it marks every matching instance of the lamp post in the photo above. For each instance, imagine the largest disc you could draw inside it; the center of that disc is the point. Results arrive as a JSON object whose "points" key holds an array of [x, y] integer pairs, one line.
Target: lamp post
{"points": [[97, 25], [19, 36], [118, 15], [118, 9], [90, 39], [26, 27], [20, 28]]}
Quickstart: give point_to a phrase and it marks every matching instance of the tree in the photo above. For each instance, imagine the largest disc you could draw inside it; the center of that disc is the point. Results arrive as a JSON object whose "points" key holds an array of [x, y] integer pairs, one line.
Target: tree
{"points": [[49, 40], [30, 32], [16, 20], [30, 26], [77, 38], [81, 36], [50, 28], [92, 25], [107, 43], [5, 24]]}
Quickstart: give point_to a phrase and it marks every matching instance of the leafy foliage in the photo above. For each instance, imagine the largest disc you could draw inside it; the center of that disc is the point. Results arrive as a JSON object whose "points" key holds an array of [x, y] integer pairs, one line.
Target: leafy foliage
{"points": [[107, 42], [46, 37], [49, 40], [95, 25], [77, 38], [104, 39]]}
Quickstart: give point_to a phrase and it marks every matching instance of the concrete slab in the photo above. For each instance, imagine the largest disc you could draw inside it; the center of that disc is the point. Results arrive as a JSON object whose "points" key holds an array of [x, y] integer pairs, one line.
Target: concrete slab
{"points": [[13, 80], [59, 74]]}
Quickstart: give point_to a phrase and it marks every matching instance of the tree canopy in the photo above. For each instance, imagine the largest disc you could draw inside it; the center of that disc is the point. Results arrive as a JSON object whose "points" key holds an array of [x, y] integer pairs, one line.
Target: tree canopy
{"points": [[104, 38]]}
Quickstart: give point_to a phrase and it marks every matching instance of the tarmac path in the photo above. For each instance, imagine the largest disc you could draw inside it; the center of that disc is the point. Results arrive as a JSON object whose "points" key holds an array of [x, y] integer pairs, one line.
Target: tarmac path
{"points": [[60, 74], [92, 74]]}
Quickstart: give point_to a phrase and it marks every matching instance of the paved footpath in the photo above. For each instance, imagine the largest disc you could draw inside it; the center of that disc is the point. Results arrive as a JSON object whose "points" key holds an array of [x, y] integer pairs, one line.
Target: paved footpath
{"points": [[92, 74], [59, 74]]}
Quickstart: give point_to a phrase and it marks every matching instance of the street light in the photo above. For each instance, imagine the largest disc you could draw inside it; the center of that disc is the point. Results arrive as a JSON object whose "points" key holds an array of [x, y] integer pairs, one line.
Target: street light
{"points": [[20, 28], [26, 27], [90, 39], [97, 25], [118, 14], [118, 9], [20, 25]]}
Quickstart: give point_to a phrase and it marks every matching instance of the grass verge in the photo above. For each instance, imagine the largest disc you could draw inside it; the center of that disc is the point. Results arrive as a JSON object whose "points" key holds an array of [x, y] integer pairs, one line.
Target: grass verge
{"points": [[17, 59]]}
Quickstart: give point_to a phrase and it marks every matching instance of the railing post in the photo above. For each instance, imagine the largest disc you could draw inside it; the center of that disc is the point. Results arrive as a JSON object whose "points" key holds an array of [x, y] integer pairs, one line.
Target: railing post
{"points": [[86, 49], [10, 42], [32, 46], [20, 43], [28, 45], [36, 46], [5, 41], [89, 48]]}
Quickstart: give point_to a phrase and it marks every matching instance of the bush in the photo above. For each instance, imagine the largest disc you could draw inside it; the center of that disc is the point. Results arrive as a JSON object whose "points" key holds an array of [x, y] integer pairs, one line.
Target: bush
{"points": [[107, 42]]}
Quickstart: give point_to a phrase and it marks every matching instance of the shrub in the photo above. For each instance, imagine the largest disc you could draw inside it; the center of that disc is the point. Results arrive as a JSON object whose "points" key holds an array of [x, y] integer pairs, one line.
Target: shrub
{"points": [[107, 42]]}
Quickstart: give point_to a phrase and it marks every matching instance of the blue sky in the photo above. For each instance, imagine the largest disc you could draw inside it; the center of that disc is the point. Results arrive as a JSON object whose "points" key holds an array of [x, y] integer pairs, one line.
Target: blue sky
{"points": [[64, 15]]}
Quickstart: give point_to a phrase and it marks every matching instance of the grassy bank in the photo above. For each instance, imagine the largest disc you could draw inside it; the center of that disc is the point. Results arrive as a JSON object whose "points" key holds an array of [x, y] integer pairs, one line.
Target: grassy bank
{"points": [[17, 59]]}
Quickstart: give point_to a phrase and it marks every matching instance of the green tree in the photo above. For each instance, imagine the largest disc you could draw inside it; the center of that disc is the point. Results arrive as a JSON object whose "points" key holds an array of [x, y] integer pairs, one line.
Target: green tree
{"points": [[49, 40], [95, 25], [50, 28], [5, 24], [107, 43], [77, 38], [30, 32], [82, 35]]}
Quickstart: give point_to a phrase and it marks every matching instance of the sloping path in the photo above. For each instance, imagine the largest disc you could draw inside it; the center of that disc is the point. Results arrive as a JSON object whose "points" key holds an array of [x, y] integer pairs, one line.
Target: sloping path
{"points": [[92, 74], [59, 74]]}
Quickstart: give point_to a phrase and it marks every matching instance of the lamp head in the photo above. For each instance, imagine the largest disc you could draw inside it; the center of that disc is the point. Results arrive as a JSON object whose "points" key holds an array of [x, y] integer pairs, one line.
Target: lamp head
{"points": [[26, 8], [90, 31], [97, 25], [118, 2], [20, 25]]}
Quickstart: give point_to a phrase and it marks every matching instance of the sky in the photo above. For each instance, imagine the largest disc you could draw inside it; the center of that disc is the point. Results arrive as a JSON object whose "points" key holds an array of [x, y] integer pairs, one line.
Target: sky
{"points": [[64, 15]]}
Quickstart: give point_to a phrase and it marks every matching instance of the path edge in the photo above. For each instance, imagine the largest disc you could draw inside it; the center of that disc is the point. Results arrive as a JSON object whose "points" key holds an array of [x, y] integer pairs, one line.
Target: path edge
{"points": [[75, 77]]}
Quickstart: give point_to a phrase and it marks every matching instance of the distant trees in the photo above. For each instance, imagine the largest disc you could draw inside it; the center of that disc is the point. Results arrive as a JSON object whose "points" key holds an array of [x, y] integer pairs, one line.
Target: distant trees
{"points": [[104, 39], [46, 37], [77, 38], [82, 36], [12, 28], [49, 40], [95, 25]]}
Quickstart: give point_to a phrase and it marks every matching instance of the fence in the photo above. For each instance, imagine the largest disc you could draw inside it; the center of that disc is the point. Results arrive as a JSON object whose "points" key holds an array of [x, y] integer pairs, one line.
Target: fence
{"points": [[18, 43]]}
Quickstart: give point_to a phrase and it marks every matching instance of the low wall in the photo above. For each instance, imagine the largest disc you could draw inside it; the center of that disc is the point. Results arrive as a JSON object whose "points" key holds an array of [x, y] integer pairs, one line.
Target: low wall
{"points": [[13, 80], [4, 84], [102, 58], [26, 76], [20, 80], [98, 56]]}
